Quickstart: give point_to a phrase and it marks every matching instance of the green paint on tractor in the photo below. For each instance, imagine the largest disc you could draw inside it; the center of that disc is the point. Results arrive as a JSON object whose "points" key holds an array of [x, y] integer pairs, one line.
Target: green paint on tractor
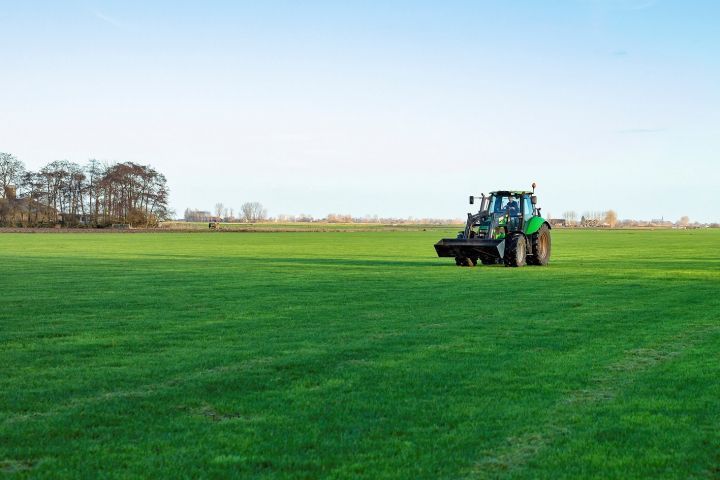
{"points": [[534, 224]]}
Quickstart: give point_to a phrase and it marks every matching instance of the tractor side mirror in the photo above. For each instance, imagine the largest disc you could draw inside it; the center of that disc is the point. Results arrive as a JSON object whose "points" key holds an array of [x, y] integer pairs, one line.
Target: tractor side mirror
{"points": [[533, 199], [472, 199]]}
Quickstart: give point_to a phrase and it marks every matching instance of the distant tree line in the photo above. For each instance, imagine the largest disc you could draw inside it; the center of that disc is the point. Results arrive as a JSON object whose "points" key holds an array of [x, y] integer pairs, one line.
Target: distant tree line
{"points": [[609, 219], [347, 218], [254, 212], [570, 218], [250, 212], [69, 194]]}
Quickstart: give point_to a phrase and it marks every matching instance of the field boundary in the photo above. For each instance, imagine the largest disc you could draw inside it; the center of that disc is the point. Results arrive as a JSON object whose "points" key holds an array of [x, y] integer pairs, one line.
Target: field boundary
{"points": [[418, 228]]}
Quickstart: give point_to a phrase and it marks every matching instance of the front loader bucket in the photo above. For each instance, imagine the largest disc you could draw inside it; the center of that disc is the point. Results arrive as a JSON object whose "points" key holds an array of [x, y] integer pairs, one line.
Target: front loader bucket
{"points": [[470, 248]]}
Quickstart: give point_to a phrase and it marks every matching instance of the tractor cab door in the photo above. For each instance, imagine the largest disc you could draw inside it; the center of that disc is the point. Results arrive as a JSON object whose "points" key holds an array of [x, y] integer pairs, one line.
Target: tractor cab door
{"points": [[528, 211]]}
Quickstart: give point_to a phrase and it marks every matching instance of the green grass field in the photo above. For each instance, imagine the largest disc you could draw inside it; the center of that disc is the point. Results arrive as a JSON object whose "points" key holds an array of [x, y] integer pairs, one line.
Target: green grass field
{"points": [[345, 355]]}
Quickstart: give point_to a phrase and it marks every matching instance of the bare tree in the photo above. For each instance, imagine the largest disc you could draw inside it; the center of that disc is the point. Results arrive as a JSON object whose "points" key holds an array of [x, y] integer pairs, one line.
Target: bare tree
{"points": [[253, 212], [570, 217], [260, 213], [94, 173], [219, 207], [11, 172], [194, 215], [135, 194], [611, 218], [684, 221], [246, 212]]}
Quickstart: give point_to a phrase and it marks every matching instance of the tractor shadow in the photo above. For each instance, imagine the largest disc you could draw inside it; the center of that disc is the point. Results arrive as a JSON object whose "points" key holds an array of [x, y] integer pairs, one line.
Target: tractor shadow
{"points": [[350, 262], [345, 261]]}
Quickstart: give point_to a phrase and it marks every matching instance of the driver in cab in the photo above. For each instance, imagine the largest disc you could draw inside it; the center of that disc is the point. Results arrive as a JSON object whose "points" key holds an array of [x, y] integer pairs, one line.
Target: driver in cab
{"points": [[513, 208]]}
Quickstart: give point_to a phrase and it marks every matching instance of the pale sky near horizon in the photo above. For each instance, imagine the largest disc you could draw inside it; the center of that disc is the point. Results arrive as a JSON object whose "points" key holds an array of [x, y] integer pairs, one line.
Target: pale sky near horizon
{"points": [[394, 108]]}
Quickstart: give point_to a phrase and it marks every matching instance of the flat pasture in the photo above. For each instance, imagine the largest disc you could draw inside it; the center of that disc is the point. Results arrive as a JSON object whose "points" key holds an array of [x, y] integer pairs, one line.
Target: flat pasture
{"points": [[357, 355], [305, 226]]}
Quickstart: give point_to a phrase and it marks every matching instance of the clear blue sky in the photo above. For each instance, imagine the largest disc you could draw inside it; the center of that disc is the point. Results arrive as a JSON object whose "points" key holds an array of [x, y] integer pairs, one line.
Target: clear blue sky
{"points": [[377, 107]]}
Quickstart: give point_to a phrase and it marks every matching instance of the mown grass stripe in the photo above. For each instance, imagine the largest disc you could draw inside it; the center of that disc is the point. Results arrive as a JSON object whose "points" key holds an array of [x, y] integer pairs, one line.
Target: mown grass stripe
{"points": [[519, 450]]}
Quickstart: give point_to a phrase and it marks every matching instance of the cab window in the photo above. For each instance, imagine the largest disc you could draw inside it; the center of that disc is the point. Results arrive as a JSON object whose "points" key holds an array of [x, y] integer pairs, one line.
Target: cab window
{"points": [[528, 210], [498, 204]]}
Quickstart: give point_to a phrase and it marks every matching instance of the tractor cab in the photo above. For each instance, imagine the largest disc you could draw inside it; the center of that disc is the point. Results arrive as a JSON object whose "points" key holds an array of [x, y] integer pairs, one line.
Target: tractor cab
{"points": [[500, 212], [510, 215]]}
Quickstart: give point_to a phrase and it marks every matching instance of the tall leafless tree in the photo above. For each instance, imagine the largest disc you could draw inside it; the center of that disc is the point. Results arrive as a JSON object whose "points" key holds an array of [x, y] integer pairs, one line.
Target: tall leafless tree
{"points": [[570, 217], [253, 212], [611, 218], [11, 172]]}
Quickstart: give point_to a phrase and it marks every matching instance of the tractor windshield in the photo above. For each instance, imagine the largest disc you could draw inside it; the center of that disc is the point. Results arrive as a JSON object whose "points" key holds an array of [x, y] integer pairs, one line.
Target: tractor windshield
{"points": [[503, 203], [499, 203]]}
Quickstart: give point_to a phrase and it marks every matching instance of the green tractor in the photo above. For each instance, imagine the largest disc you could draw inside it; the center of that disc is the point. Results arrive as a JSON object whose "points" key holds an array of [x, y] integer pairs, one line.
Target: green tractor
{"points": [[508, 229]]}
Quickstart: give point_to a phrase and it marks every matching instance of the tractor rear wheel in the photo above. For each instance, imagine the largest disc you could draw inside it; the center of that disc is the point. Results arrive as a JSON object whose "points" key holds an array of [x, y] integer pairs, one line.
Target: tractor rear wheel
{"points": [[515, 251], [540, 247]]}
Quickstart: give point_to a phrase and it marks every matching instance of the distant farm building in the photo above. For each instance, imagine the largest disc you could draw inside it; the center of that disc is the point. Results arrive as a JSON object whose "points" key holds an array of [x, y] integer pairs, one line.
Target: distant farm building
{"points": [[20, 211], [590, 222]]}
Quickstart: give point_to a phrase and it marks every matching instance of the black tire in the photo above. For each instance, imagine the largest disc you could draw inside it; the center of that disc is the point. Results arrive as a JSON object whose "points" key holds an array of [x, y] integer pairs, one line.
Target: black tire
{"points": [[515, 251], [541, 247], [465, 261]]}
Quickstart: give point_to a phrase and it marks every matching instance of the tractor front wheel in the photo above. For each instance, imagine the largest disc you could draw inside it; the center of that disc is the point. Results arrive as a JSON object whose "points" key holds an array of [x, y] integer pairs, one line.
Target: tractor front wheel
{"points": [[465, 261], [515, 251]]}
